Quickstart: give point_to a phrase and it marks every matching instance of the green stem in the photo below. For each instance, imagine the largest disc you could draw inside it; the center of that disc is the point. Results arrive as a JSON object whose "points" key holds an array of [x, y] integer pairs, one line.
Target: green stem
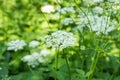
{"points": [[57, 59], [84, 14], [56, 65], [66, 59], [68, 68], [94, 66]]}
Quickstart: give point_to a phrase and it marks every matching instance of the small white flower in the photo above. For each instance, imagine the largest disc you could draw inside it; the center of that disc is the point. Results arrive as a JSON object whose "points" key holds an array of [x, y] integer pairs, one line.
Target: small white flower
{"points": [[114, 1], [0, 68], [47, 9], [34, 44], [98, 10], [60, 39], [99, 24], [5, 77], [67, 21], [66, 10], [92, 2], [44, 52], [97, 1], [16, 45], [33, 59]]}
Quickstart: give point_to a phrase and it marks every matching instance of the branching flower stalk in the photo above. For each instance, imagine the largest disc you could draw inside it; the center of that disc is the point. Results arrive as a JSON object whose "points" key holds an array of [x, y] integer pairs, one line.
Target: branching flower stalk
{"points": [[93, 66], [56, 64], [60, 40], [84, 14], [68, 66]]}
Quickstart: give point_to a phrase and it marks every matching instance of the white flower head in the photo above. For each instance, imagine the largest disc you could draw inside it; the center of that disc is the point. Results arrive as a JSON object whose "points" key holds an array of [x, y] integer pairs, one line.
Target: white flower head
{"points": [[33, 59], [60, 39], [114, 1], [34, 43], [99, 24], [98, 10], [66, 10], [67, 21], [92, 2], [47, 9], [44, 52], [0, 68], [16, 45]]}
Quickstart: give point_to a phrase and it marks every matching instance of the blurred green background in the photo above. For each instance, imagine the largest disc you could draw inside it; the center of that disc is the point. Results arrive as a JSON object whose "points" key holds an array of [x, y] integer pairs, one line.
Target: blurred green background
{"points": [[23, 19]]}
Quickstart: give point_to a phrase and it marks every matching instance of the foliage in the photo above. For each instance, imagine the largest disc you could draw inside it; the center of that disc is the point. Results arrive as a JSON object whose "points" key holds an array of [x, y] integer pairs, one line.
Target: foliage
{"points": [[94, 23]]}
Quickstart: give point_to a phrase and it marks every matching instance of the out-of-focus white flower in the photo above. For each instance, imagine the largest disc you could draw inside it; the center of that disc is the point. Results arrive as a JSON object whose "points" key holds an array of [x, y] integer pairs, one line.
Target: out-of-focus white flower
{"points": [[0, 68], [16, 45], [114, 1], [34, 44], [5, 77], [99, 24], [67, 21], [47, 9], [116, 7], [60, 39], [98, 10], [66, 10], [97, 1], [44, 52], [92, 2], [33, 59]]}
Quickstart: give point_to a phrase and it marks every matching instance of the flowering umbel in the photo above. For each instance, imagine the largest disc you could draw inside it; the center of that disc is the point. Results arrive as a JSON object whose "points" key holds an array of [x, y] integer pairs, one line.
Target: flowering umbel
{"points": [[60, 39], [33, 59], [16, 45], [34, 43]]}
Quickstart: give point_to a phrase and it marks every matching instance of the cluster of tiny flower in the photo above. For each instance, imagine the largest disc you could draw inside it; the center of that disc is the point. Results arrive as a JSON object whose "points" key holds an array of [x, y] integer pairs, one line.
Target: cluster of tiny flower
{"points": [[67, 21], [66, 10], [60, 39], [35, 59], [5, 77], [16, 45], [92, 2], [47, 9], [0, 68], [98, 10], [114, 1], [99, 24], [19, 44], [34, 43]]}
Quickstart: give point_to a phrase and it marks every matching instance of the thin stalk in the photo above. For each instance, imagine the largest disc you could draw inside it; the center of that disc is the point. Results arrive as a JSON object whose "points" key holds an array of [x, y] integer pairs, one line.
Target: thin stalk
{"points": [[31, 70], [67, 62], [94, 66], [68, 67], [59, 26], [56, 63], [84, 14], [57, 59], [46, 19]]}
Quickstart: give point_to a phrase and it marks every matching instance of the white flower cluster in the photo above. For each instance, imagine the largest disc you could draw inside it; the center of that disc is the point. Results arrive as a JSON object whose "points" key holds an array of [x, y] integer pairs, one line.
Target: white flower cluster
{"points": [[66, 10], [92, 2], [114, 1], [98, 10], [44, 52], [60, 39], [19, 44], [0, 68], [5, 77], [47, 9], [99, 24], [35, 59], [34, 43], [67, 21], [16, 45]]}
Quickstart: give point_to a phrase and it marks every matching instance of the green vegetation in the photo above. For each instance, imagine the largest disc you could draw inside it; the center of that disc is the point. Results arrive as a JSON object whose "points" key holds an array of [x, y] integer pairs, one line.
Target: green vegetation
{"points": [[59, 40]]}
